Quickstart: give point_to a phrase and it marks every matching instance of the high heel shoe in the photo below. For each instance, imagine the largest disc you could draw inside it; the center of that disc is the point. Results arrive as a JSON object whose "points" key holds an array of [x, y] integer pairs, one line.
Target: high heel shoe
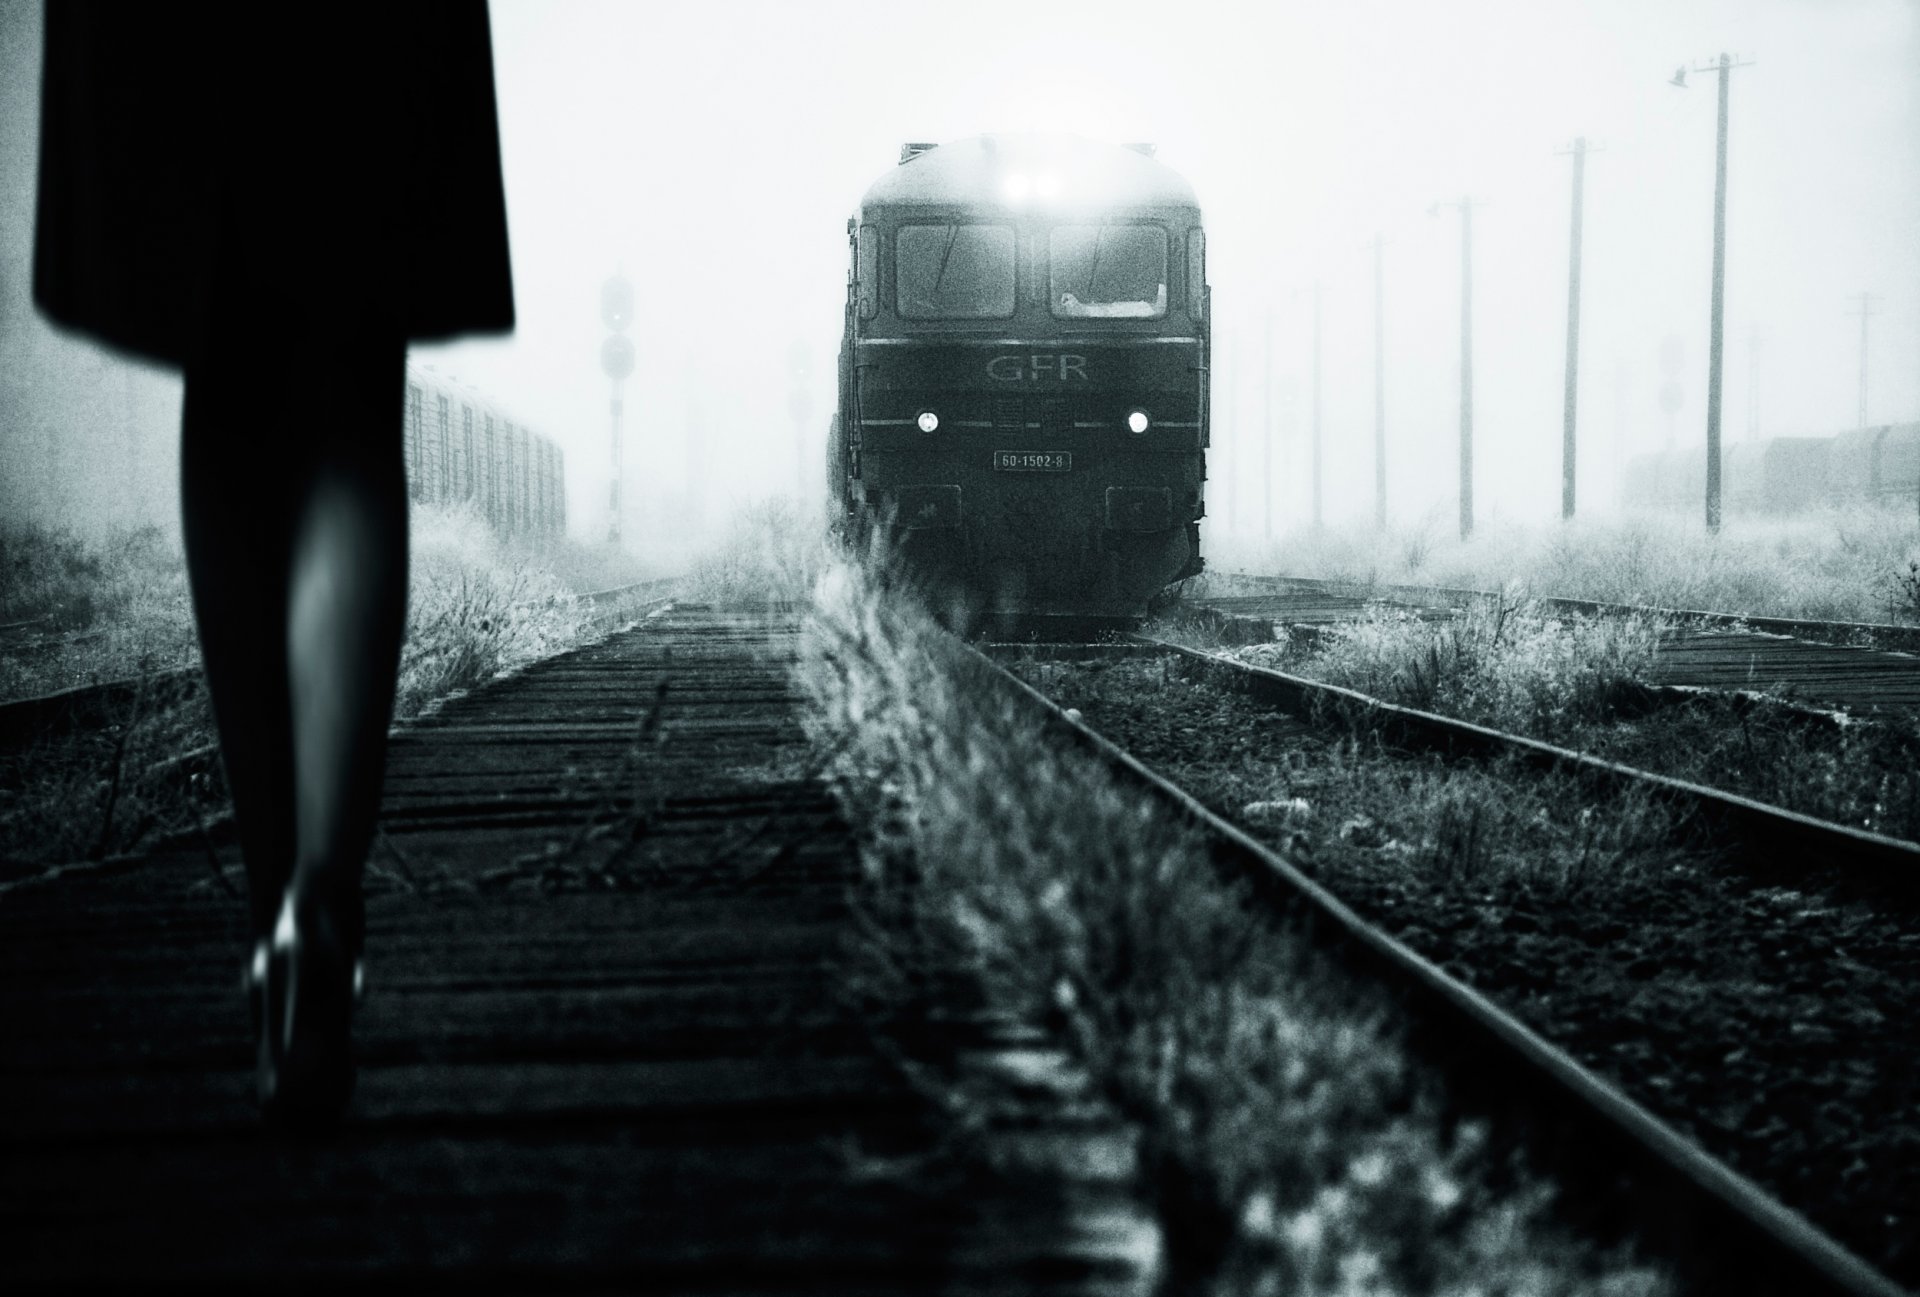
{"points": [[304, 980]]}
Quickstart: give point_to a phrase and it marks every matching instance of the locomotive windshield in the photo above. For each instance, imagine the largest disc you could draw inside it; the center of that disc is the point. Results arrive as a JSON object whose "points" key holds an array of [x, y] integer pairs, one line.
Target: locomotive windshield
{"points": [[1108, 271], [955, 272]]}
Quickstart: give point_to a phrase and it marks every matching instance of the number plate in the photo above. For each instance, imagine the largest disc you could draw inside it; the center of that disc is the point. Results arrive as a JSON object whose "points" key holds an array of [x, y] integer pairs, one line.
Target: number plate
{"points": [[1033, 461]]}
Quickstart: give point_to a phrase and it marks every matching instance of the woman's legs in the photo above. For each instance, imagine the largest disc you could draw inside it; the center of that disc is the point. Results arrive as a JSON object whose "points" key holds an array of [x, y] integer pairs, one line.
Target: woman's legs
{"points": [[296, 528], [296, 532]]}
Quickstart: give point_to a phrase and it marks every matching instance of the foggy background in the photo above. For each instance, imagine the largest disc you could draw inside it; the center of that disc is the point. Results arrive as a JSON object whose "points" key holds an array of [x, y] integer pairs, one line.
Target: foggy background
{"points": [[714, 153]]}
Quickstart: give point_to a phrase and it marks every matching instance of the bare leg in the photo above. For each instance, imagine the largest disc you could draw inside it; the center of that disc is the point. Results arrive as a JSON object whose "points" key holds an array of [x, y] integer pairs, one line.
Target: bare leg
{"points": [[233, 476], [345, 621], [296, 535], [296, 526]]}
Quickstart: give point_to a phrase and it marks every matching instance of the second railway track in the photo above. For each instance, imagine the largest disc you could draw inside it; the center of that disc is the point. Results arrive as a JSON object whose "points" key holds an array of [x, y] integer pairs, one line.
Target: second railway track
{"points": [[1673, 981]]}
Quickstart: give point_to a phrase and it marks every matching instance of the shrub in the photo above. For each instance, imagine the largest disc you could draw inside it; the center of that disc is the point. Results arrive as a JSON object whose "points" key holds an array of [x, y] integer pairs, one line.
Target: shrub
{"points": [[770, 551]]}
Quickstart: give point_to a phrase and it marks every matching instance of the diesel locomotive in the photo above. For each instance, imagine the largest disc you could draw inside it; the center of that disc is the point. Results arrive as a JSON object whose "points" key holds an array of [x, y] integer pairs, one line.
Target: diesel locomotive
{"points": [[1023, 374], [461, 447]]}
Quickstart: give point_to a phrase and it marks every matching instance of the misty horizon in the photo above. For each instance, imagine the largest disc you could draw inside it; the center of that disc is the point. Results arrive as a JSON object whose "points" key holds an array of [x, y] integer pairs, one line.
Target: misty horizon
{"points": [[714, 156]]}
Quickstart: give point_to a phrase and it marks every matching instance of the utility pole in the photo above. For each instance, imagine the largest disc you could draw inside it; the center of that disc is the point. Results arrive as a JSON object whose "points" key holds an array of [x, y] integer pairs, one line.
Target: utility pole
{"points": [[1266, 440], [1465, 206], [1379, 390], [1868, 307], [1237, 440], [1379, 393], [1723, 66], [1568, 446], [1318, 513], [1619, 430]]}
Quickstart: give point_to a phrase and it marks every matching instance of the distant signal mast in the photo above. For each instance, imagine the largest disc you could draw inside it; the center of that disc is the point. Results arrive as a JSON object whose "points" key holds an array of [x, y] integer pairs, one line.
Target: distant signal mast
{"points": [[616, 359], [1868, 306]]}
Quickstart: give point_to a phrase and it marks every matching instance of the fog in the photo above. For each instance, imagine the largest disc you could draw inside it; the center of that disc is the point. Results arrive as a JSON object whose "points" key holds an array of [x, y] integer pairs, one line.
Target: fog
{"points": [[714, 152]]}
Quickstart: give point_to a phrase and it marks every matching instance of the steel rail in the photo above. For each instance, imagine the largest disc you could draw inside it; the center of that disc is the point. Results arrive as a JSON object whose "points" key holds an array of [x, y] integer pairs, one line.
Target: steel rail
{"points": [[1758, 1244], [1907, 638], [1759, 827], [25, 719]]}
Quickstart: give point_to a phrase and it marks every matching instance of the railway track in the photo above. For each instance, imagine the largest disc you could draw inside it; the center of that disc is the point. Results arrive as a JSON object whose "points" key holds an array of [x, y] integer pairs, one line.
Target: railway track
{"points": [[1691, 1181], [1765, 834], [1860, 667], [606, 1044], [604, 934]]}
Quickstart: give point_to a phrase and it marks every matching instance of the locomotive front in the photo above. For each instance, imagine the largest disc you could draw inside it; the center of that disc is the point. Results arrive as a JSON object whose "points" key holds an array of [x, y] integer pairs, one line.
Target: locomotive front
{"points": [[1023, 376]]}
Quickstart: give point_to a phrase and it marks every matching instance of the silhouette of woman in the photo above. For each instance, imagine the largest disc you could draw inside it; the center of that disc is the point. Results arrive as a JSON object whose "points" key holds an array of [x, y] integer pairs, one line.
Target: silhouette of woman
{"points": [[276, 199]]}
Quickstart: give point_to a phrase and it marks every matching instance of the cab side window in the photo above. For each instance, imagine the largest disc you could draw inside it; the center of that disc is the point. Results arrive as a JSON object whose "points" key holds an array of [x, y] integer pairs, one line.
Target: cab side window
{"points": [[1197, 274], [866, 271]]}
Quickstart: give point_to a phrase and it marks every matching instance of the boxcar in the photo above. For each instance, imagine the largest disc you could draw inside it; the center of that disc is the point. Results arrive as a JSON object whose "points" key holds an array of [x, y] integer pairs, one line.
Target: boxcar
{"points": [[1780, 475], [461, 447]]}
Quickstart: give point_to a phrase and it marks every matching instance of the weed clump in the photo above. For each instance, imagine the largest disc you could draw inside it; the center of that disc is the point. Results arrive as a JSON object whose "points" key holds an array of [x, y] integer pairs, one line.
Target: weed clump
{"points": [[1284, 1137], [1510, 665]]}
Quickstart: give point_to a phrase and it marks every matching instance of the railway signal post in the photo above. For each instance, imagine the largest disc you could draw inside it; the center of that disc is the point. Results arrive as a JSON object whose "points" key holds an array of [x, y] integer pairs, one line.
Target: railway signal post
{"points": [[800, 406], [616, 359]]}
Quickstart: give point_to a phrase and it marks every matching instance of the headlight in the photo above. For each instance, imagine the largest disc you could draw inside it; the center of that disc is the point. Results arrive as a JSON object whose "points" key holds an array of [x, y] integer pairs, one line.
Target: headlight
{"points": [[928, 421], [1137, 421]]}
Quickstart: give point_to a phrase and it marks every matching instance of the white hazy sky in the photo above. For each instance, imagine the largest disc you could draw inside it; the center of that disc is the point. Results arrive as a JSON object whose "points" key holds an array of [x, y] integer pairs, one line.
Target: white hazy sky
{"points": [[714, 151]]}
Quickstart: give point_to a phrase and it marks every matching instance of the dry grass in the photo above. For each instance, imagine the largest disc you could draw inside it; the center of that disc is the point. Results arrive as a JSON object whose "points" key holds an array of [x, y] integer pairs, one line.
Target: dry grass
{"points": [[478, 606], [96, 612], [1836, 565], [1287, 1142]]}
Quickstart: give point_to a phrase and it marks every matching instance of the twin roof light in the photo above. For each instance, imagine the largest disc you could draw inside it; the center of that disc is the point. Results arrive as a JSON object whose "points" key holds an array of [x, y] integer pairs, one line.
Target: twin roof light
{"points": [[1019, 186]]}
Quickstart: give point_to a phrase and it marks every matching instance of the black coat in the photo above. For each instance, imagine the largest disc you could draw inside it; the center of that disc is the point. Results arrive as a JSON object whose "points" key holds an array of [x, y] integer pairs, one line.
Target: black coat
{"points": [[274, 163]]}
